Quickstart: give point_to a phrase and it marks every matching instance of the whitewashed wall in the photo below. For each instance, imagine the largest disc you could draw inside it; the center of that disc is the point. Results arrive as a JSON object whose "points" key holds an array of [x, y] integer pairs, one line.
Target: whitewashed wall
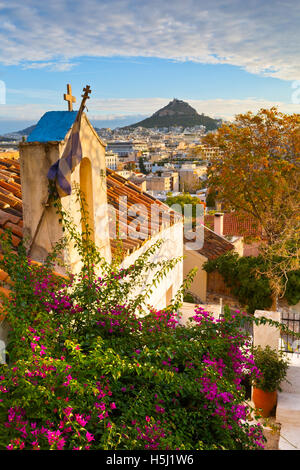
{"points": [[172, 247]]}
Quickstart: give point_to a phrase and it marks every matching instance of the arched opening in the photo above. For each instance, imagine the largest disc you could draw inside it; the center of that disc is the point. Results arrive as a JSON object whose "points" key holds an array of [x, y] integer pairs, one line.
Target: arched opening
{"points": [[86, 187]]}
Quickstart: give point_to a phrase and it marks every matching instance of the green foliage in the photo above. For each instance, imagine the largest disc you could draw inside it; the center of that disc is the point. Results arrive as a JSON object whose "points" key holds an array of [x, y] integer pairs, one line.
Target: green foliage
{"points": [[273, 366], [189, 298], [252, 289], [292, 292], [240, 274], [183, 200], [142, 166], [211, 198], [92, 365]]}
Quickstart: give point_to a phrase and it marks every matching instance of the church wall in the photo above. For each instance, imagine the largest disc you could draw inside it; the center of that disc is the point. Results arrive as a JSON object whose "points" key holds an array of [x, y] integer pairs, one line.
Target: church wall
{"points": [[35, 160], [172, 247], [94, 149]]}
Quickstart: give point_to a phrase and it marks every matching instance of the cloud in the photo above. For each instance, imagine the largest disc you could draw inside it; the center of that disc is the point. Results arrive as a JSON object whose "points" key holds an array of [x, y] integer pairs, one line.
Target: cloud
{"points": [[262, 37], [138, 108], [53, 66], [25, 112]]}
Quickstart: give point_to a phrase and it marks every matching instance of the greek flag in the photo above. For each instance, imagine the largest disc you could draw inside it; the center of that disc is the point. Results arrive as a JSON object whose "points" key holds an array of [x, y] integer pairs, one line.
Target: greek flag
{"points": [[61, 170]]}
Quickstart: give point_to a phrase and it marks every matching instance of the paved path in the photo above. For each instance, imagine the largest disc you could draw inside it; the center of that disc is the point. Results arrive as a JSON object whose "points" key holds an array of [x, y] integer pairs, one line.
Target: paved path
{"points": [[288, 407]]}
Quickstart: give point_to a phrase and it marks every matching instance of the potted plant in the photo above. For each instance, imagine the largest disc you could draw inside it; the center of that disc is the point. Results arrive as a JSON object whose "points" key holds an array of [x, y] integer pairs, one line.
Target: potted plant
{"points": [[273, 366]]}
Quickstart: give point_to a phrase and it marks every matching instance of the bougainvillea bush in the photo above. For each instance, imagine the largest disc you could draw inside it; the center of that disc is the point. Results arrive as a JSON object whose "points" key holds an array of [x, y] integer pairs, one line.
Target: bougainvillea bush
{"points": [[92, 366]]}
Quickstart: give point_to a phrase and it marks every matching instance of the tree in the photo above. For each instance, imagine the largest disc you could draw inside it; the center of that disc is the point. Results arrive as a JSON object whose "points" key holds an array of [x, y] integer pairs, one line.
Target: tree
{"points": [[183, 200], [130, 166], [256, 174], [142, 166]]}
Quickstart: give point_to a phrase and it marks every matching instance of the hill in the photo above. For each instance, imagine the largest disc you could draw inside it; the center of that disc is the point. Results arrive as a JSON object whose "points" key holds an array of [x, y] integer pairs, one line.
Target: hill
{"points": [[177, 113], [26, 131]]}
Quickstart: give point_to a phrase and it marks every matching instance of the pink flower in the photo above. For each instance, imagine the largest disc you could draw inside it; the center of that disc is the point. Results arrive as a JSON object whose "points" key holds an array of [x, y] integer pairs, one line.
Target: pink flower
{"points": [[113, 406], [80, 420], [89, 437], [60, 444]]}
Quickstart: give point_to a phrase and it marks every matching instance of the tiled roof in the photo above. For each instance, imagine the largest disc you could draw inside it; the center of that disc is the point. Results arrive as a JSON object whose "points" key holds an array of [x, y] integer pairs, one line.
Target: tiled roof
{"points": [[236, 226], [11, 199], [53, 126], [11, 215], [213, 245], [118, 187]]}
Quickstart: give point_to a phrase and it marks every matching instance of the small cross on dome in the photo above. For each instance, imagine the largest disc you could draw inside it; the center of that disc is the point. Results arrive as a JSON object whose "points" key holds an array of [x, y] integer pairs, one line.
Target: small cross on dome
{"points": [[69, 98]]}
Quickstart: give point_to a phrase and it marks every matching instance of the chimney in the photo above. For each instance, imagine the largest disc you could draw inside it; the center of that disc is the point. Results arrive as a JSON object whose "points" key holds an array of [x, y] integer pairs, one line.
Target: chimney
{"points": [[218, 223]]}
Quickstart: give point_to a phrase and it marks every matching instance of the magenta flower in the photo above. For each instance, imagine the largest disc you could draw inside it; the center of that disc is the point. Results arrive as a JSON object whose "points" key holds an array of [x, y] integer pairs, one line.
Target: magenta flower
{"points": [[89, 437]]}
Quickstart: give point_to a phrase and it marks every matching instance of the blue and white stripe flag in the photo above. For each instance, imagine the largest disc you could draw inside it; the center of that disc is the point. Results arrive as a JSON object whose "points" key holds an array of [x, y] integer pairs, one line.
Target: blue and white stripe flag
{"points": [[62, 169]]}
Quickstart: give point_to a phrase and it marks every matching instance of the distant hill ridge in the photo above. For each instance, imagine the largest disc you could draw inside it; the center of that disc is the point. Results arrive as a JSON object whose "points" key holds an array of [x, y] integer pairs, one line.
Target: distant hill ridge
{"points": [[26, 131], [177, 113]]}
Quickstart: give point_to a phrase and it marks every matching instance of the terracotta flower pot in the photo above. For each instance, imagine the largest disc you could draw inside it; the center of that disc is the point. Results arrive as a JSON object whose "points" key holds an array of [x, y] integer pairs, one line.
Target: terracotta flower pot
{"points": [[265, 401]]}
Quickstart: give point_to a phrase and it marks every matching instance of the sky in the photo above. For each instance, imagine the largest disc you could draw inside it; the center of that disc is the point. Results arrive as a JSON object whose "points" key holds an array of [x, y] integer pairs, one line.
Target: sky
{"points": [[222, 57]]}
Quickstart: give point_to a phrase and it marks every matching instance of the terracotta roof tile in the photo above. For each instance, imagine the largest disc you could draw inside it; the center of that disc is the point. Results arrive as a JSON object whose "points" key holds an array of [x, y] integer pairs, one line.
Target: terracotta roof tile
{"points": [[118, 187], [11, 207], [16, 229], [213, 245], [236, 226]]}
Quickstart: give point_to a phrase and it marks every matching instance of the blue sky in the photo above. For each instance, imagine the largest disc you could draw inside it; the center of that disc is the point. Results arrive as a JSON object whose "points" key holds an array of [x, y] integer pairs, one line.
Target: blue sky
{"points": [[223, 57]]}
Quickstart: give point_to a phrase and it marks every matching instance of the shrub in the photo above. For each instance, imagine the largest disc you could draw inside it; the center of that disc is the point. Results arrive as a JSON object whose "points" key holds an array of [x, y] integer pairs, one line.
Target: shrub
{"points": [[92, 366], [292, 292], [252, 289], [273, 366], [239, 274]]}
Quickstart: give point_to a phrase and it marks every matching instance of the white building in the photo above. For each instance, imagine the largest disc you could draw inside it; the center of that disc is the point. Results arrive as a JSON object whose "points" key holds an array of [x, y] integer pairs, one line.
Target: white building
{"points": [[111, 160]]}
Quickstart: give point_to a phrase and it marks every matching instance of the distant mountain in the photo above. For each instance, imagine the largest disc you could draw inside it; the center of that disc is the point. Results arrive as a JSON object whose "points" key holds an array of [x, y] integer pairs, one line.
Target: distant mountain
{"points": [[17, 135], [26, 131], [177, 113]]}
